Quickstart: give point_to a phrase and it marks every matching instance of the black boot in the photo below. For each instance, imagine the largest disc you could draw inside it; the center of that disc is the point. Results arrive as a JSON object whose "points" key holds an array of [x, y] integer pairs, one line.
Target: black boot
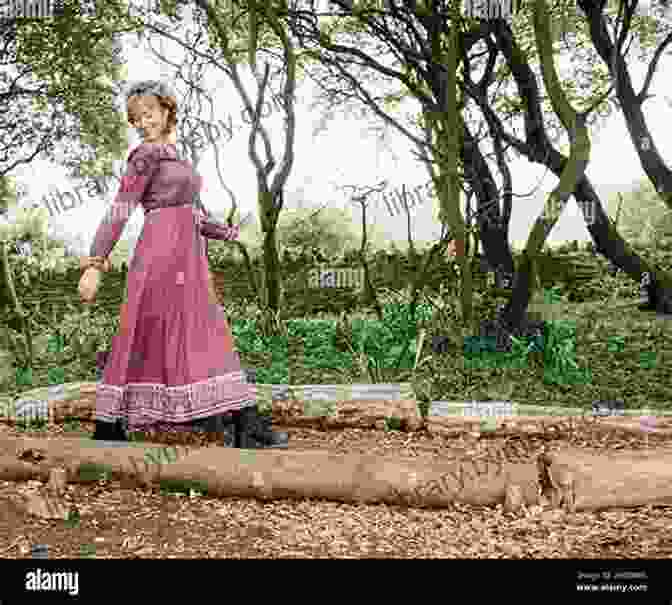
{"points": [[253, 431], [221, 425], [269, 437], [109, 431]]}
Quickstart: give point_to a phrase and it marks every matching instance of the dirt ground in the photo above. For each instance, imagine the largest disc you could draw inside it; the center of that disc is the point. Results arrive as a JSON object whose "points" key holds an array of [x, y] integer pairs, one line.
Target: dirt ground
{"points": [[120, 523]]}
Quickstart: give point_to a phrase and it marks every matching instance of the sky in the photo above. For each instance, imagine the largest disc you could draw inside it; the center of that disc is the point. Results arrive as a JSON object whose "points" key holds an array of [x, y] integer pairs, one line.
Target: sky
{"points": [[346, 154]]}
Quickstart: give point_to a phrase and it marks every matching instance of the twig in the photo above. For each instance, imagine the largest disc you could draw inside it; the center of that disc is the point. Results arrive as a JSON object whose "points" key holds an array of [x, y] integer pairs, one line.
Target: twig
{"points": [[13, 544]]}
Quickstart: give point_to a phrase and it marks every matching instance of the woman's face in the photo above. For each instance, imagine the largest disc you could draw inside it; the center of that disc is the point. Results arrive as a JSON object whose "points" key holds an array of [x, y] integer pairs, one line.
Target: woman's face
{"points": [[149, 118]]}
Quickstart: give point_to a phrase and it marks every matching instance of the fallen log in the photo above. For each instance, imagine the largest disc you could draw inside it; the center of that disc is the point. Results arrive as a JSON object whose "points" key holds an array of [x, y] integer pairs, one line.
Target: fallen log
{"points": [[273, 475], [537, 425], [571, 479], [364, 414], [580, 480]]}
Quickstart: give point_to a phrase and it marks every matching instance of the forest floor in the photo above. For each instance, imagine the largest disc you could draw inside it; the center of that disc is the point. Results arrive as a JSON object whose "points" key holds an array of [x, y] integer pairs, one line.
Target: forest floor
{"points": [[145, 523]]}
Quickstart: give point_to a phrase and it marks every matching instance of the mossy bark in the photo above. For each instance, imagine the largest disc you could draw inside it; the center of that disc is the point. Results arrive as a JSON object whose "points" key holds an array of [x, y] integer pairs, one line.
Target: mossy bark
{"points": [[579, 156]]}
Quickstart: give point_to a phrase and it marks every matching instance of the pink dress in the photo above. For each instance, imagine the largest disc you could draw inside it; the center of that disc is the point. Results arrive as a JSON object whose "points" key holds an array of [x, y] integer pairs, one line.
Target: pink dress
{"points": [[173, 359]]}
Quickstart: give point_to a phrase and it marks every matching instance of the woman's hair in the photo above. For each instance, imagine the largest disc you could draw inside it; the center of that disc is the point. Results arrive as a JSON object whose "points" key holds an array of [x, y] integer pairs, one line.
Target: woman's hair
{"points": [[164, 94]]}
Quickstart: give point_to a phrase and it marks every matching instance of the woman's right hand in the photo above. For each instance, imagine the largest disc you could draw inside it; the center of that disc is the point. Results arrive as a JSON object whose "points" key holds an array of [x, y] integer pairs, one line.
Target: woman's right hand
{"points": [[88, 285]]}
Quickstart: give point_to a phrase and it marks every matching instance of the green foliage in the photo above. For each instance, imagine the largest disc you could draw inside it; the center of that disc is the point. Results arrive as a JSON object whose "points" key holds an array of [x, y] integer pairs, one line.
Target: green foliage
{"points": [[8, 192], [32, 424], [557, 377], [92, 472], [74, 339], [328, 345], [86, 332], [45, 256], [559, 355], [330, 230], [392, 423], [26, 224], [644, 218], [182, 486], [74, 56], [388, 346]]}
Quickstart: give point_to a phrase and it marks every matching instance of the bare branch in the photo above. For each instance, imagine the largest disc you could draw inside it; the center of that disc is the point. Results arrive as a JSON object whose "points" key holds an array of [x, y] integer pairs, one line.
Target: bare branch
{"points": [[641, 97]]}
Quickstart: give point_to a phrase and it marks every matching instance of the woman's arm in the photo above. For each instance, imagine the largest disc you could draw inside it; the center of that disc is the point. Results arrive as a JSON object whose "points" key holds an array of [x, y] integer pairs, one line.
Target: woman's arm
{"points": [[143, 164]]}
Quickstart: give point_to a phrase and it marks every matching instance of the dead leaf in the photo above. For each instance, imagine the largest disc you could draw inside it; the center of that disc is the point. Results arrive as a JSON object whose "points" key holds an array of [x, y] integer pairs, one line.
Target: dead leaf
{"points": [[34, 456], [147, 550], [16, 542], [45, 507], [57, 481], [133, 542], [513, 499]]}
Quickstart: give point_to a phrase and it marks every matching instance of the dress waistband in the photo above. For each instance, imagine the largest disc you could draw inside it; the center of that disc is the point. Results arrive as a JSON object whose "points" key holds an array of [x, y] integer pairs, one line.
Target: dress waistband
{"points": [[164, 207]]}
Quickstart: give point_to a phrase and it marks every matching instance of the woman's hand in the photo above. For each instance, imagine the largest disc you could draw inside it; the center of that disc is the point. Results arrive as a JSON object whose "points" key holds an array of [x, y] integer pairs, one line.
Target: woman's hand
{"points": [[88, 285]]}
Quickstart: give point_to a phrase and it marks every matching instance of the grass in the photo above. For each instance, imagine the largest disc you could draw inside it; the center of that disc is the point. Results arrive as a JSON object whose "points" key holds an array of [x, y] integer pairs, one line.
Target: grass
{"points": [[626, 352], [321, 358]]}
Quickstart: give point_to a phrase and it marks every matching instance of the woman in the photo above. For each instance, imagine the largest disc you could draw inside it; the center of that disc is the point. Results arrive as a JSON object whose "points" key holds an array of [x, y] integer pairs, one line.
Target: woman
{"points": [[173, 360]]}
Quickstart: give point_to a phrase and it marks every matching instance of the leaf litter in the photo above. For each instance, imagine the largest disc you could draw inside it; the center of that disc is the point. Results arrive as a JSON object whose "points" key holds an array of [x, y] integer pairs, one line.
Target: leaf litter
{"points": [[116, 522]]}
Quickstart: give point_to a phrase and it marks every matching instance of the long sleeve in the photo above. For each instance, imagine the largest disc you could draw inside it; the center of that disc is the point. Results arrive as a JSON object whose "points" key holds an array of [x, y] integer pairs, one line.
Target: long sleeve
{"points": [[213, 229], [204, 214], [143, 164]]}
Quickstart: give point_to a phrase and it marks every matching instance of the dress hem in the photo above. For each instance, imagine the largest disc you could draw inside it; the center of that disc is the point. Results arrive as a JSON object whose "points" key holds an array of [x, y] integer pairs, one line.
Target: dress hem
{"points": [[148, 403]]}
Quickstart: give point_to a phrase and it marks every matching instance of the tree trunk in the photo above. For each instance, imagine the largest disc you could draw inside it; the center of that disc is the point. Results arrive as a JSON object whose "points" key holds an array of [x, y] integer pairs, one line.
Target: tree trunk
{"points": [[477, 240], [16, 307], [631, 103], [492, 229], [658, 172], [444, 125], [271, 288], [251, 273], [523, 285], [370, 296], [575, 125], [609, 242], [539, 148], [272, 278]]}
